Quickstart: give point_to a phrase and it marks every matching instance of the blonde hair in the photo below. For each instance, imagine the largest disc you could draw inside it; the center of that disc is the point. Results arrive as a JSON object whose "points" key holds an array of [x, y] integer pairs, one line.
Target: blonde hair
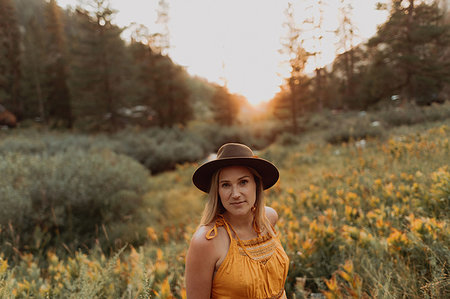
{"points": [[214, 207]]}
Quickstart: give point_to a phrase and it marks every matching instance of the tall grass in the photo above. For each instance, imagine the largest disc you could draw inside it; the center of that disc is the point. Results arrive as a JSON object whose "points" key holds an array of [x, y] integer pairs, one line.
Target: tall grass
{"points": [[357, 220]]}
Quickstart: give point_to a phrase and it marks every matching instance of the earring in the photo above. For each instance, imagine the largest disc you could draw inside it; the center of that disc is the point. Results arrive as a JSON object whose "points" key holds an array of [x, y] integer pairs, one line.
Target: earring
{"points": [[253, 209]]}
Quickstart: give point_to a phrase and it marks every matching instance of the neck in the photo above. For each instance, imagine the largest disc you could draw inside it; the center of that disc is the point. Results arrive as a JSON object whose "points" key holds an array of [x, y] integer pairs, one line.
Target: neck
{"points": [[240, 222]]}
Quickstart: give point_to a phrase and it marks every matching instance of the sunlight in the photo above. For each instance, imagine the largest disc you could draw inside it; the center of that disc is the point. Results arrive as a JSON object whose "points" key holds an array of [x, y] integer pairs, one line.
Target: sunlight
{"points": [[236, 43]]}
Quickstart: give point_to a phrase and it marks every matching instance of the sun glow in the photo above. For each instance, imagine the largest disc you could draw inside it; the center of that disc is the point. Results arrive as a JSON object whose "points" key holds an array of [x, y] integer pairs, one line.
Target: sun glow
{"points": [[236, 43]]}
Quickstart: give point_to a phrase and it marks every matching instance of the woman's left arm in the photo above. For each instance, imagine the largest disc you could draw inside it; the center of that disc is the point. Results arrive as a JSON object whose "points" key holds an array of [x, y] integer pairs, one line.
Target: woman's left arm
{"points": [[201, 259]]}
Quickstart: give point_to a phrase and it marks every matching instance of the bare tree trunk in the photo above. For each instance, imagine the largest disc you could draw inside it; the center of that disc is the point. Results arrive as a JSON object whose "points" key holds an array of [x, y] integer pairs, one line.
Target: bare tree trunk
{"points": [[407, 94]]}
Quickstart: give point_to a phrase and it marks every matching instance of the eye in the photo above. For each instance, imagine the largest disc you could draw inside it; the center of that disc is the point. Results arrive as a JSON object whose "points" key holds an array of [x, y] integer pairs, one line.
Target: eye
{"points": [[243, 182], [225, 185]]}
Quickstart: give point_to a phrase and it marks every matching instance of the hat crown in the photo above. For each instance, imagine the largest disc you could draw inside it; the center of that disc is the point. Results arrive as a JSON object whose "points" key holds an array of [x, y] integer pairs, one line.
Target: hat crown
{"points": [[234, 150]]}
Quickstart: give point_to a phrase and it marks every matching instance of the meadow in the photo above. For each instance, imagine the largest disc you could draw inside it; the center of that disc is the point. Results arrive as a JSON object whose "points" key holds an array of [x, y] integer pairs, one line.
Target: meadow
{"points": [[365, 218]]}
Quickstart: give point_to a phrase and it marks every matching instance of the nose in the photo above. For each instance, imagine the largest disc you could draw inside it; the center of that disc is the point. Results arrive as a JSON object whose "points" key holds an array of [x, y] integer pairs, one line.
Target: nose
{"points": [[235, 193]]}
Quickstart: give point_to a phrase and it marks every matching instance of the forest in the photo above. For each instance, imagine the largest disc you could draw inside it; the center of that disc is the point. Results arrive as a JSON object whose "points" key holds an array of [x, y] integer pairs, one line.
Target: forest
{"points": [[100, 135], [73, 69]]}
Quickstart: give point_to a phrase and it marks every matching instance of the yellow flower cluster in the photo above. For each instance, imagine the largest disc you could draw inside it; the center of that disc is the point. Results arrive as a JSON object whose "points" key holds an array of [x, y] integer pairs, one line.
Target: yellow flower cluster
{"points": [[390, 199], [343, 220]]}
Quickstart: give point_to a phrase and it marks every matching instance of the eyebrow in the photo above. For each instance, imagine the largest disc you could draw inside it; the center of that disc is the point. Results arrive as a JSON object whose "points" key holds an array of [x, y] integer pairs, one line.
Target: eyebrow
{"points": [[245, 176]]}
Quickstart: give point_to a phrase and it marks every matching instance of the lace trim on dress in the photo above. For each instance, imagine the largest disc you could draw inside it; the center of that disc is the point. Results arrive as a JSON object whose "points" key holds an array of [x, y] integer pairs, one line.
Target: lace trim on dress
{"points": [[257, 241], [258, 249]]}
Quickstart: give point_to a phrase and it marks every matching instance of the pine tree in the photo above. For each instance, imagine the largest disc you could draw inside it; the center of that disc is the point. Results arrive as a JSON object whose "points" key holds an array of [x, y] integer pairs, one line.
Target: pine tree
{"points": [[31, 15], [171, 98], [161, 85], [406, 53], [9, 58], [291, 103], [59, 106], [225, 106], [347, 79], [314, 26], [346, 33], [201, 94], [99, 67]]}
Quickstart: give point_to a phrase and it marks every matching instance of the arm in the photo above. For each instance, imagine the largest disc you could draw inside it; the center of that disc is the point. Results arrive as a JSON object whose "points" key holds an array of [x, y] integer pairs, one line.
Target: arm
{"points": [[201, 259]]}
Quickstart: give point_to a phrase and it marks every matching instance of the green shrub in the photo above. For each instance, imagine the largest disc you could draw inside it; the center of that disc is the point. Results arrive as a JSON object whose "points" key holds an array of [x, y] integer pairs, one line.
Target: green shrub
{"points": [[276, 154], [288, 139], [403, 117], [411, 114], [215, 135], [50, 143], [161, 149], [72, 197], [158, 149], [356, 132]]}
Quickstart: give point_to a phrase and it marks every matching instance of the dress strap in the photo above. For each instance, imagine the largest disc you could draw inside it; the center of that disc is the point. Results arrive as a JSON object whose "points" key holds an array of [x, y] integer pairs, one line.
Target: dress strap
{"points": [[256, 228], [271, 225], [220, 221], [241, 244]]}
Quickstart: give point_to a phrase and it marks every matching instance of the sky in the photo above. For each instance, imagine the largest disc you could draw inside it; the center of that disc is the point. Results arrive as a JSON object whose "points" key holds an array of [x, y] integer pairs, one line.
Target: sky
{"points": [[238, 42]]}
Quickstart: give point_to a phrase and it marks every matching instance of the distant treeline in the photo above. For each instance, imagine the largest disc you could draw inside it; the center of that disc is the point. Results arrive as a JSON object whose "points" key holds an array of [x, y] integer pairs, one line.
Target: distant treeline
{"points": [[408, 60], [72, 68]]}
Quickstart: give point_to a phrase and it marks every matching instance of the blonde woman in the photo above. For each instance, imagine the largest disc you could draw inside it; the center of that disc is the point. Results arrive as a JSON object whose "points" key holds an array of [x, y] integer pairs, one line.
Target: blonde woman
{"points": [[235, 253]]}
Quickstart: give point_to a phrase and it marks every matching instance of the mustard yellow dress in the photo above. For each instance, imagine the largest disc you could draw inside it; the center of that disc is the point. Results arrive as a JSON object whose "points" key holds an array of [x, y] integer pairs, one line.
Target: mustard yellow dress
{"points": [[255, 268]]}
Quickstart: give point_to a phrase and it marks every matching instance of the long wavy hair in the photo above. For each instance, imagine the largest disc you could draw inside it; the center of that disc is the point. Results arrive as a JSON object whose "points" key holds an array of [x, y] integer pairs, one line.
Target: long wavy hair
{"points": [[214, 207]]}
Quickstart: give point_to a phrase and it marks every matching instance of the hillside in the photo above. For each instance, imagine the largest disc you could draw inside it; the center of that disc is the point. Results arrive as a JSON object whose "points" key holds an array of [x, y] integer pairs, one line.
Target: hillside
{"points": [[357, 219]]}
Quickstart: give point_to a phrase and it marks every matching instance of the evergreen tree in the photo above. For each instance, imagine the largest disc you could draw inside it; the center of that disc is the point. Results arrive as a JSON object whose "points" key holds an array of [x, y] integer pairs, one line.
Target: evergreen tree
{"points": [[406, 53], [31, 14], [347, 79], [99, 67], [318, 33], [290, 104], [161, 85], [143, 87], [346, 61], [171, 98], [59, 106], [201, 94], [143, 91], [9, 58], [225, 106], [350, 80]]}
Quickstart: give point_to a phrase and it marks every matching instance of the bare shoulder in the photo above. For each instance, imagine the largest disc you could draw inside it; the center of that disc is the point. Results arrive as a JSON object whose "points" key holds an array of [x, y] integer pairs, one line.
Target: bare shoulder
{"points": [[199, 240], [202, 254], [212, 245], [272, 215], [201, 259]]}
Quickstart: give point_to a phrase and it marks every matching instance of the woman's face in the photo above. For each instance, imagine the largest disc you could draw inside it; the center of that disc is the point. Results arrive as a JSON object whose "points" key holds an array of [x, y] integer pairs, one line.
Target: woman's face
{"points": [[237, 190]]}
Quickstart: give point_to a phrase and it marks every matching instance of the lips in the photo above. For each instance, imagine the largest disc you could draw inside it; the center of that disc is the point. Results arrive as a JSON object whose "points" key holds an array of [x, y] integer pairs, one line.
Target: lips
{"points": [[237, 203]]}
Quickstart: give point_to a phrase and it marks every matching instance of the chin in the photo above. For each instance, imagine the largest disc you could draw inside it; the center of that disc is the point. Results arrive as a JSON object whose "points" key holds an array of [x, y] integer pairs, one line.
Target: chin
{"points": [[238, 211]]}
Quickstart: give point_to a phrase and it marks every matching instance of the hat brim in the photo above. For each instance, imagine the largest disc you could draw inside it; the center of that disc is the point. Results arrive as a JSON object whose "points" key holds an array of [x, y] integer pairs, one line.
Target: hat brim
{"points": [[268, 172]]}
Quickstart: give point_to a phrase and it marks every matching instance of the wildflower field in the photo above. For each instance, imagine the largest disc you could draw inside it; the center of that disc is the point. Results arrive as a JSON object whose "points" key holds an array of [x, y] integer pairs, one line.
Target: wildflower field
{"points": [[358, 220]]}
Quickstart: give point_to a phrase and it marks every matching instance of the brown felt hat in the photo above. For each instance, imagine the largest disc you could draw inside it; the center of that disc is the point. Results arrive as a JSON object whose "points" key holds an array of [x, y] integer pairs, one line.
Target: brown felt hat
{"points": [[235, 154]]}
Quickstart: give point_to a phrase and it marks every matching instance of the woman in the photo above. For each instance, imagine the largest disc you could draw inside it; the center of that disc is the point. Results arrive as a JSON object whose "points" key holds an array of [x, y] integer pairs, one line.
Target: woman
{"points": [[235, 253]]}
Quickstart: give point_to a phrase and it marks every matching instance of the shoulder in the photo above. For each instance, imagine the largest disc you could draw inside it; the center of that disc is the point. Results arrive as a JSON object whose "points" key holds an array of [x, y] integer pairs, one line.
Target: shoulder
{"points": [[199, 239], [272, 215], [204, 253], [200, 243], [201, 260]]}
